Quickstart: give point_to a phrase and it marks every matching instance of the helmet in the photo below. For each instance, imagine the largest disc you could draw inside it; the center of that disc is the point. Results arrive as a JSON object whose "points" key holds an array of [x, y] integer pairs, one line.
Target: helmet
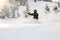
{"points": [[35, 10]]}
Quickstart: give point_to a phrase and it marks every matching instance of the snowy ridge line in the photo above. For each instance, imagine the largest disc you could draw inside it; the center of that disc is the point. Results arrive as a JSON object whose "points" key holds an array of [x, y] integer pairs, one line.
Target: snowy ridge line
{"points": [[18, 26], [26, 25]]}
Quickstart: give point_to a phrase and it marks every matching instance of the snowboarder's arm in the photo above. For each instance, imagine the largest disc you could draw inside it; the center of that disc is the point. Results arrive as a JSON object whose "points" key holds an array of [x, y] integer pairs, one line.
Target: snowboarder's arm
{"points": [[30, 13]]}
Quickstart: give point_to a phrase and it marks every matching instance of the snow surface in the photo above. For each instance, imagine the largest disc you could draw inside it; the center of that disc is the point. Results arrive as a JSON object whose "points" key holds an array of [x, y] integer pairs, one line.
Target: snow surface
{"points": [[46, 28], [49, 31]]}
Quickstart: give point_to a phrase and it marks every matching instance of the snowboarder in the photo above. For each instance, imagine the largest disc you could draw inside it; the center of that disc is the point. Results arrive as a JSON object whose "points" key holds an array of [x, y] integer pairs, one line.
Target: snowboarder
{"points": [[35, 14]]}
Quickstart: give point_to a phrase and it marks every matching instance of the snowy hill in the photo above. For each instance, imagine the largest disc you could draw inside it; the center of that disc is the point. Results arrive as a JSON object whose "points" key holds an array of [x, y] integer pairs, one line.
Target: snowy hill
{"points": [[46, 28], [51, 16], [47, 31]]}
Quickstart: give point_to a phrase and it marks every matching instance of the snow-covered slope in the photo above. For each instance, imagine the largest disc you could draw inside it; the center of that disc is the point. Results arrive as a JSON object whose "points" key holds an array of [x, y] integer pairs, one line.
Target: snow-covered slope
{"points": [[46, 28], [43, 17], [49, 31]]}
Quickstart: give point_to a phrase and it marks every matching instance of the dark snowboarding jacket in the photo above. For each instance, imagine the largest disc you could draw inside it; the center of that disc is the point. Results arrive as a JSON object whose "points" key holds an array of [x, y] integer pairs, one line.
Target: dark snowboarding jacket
{"points": [[35, 15]]}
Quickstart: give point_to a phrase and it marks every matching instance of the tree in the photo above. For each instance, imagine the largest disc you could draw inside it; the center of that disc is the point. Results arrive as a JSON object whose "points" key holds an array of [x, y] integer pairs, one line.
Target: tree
{"points": [[47, 8], [48, 0], [58, 3], [9, 10], [35, 0]]}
